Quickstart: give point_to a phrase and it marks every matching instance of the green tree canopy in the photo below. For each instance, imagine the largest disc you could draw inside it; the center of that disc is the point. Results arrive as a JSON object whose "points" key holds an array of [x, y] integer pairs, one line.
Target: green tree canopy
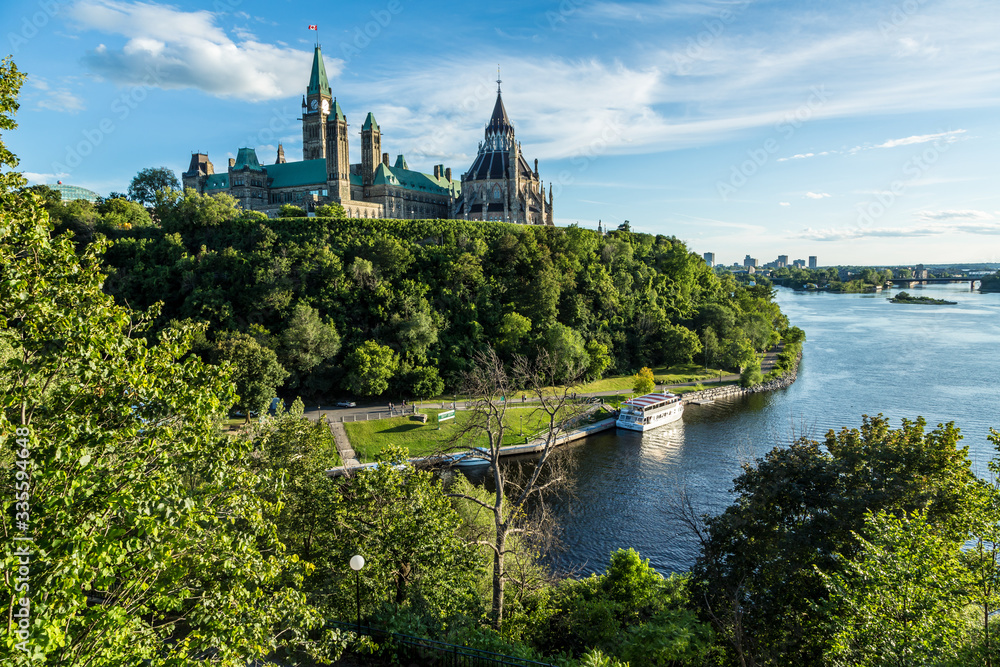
{"points": [[799, 506], [370, 367], [644, 382], [149, 543], [149, 181], [256, 371]]}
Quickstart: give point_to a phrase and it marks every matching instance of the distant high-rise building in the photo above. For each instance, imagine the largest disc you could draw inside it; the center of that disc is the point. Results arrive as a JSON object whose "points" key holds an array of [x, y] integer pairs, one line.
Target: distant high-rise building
{"points": [[799, 264], [812, 261], [782, 261], [710, 258], [749, 261], [920, 272]]}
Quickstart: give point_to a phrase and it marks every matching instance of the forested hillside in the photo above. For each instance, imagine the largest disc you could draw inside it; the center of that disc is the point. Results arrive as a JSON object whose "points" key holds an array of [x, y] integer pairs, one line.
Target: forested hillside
{"points": [[369, 306]]}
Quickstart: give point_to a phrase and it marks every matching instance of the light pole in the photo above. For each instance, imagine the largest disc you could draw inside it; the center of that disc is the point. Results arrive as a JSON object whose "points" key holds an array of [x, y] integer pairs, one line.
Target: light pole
{"points": [[358, 562]]}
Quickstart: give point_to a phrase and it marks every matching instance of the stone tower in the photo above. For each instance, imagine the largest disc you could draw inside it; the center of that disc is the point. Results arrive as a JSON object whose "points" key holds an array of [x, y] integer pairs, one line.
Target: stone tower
{"points": [[501, 185], [338, 161], [371, 149], [315, 109]]}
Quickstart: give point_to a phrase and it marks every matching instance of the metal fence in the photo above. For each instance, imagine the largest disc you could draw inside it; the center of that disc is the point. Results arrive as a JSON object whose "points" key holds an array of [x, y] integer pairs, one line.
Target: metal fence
{"points": [[383, 414], [423, 651]]}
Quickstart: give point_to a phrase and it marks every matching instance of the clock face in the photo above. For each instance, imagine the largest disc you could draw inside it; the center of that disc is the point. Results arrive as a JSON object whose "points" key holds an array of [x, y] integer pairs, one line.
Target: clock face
{"points": [[313, 104], [326, 107]]}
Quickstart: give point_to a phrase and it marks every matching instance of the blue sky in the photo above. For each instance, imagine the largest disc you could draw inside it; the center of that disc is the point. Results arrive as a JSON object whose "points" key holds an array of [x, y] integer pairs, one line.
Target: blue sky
{"points": [[860, 132]]}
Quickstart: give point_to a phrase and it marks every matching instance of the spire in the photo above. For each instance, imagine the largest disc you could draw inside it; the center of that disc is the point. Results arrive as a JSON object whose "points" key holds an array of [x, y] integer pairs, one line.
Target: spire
{"points": [[318, 83], [370, 123], [498, 78], [337, 112]]}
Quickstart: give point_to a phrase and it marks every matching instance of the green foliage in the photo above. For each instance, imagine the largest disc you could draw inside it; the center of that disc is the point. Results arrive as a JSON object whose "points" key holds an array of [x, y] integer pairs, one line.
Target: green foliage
{"points": [[751, 376], [798, 509], [513, 328], [599, 360], [149, 181], [291, 211], [334, 210], [898, 599], [150, 543], [370, 367], [121, 213], [307, 343], [644, 382], [436, 292], [631, 612], [255, 371], [425, 382], [568, 352]]}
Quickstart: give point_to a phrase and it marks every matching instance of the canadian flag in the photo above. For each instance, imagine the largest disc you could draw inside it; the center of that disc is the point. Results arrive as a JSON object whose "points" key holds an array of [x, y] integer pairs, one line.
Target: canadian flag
{"points": [[312, 27]]}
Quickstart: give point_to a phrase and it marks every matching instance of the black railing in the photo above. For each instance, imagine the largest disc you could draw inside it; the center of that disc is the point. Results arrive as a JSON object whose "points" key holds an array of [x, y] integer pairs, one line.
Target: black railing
{"points": [[439, 654]]}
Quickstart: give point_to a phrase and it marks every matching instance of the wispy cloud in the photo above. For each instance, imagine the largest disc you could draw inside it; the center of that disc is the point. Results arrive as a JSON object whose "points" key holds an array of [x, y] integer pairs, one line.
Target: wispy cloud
{"points": [[817, 195], [949, 137], [784, 203], [170, 48], [926, 223]]}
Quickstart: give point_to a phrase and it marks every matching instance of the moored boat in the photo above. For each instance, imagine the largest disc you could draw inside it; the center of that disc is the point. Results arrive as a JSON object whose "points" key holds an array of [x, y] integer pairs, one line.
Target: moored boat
{"points": [[649, 411]]}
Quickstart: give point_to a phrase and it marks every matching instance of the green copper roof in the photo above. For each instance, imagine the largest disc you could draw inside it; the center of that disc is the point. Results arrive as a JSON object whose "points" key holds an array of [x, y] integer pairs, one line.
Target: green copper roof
{"points": [[318, 82], [337, 111], [357, 180], [217, 182], [296, 174], [247, 158], [370, 122], [415, 180], [400, 163]]}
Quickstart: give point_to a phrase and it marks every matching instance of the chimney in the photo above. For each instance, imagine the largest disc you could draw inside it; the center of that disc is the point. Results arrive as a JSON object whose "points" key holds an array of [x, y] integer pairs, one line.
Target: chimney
{"points": [[232, 162], [437, 171], [385, 159], [536, 166], [447, 174]]}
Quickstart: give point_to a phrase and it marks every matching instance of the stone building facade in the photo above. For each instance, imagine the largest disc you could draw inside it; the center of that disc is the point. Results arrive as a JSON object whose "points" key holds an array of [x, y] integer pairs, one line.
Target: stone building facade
{"points": [[502, 185]]}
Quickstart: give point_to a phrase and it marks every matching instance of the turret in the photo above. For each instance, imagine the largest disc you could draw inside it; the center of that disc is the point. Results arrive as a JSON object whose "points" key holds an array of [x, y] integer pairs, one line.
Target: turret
{"points": [[338, 162], [371, 149]]}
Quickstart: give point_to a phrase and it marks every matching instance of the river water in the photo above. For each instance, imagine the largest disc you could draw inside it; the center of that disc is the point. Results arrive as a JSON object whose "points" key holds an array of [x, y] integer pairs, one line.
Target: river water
{"points": [[863, 355]]}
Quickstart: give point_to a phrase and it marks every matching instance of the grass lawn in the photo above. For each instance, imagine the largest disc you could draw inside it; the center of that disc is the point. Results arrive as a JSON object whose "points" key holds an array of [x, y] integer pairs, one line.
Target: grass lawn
{"points": [[663, 375], [371, 437]]}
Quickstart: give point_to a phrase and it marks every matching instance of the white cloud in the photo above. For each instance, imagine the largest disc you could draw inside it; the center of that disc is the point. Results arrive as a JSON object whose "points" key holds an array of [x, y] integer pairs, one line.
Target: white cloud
{"points": [[169, 48], [950, 137], [817, 195], [784, 203], [42, 95], [926, 223], [35, 178]]}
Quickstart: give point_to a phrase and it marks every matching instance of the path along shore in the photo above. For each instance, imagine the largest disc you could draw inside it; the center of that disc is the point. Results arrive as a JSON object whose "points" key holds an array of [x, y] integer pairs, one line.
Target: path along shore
{"points": [[351, 463]]}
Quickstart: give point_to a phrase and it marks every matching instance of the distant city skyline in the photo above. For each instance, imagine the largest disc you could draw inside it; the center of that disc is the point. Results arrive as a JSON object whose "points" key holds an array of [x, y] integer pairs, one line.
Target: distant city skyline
{"points": [[862, 132]]}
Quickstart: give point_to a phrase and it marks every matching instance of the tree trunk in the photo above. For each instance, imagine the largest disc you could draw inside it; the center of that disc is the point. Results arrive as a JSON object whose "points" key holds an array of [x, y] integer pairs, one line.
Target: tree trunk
{"points": [[498, 577]]}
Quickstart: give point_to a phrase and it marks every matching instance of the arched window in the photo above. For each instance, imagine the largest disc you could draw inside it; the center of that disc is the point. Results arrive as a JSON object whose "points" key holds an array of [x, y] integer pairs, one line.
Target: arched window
{"points": [[496, 192]]}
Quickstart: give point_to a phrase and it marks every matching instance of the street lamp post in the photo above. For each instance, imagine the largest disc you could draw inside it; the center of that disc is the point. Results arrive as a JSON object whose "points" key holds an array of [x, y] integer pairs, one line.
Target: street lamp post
{"points": [[358, 562]]}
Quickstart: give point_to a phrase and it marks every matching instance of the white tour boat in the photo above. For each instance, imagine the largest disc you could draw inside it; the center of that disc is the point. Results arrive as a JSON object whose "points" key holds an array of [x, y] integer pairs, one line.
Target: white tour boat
{"points": [[649, 411]]}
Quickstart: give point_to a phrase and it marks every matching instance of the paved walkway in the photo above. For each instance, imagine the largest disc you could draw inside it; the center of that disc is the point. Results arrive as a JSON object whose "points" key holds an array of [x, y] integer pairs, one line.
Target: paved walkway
{"points": [[347, 454]]}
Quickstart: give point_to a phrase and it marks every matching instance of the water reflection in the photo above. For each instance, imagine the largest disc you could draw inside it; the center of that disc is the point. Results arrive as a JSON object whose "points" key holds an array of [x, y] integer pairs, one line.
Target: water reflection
{"points": [[863, 355]]}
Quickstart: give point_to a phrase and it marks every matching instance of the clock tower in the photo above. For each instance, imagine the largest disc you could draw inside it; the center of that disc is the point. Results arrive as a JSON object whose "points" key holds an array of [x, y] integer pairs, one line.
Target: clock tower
{"points": [[315, 109]]}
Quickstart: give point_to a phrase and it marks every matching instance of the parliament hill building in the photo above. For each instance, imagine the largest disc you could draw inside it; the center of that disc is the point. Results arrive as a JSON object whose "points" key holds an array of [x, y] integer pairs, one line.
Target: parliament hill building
{"points": [[500, 184]]}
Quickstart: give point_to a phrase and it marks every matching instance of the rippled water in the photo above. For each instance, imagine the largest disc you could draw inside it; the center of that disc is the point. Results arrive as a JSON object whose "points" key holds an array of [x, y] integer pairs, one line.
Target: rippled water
{"points": [[863, 355]]}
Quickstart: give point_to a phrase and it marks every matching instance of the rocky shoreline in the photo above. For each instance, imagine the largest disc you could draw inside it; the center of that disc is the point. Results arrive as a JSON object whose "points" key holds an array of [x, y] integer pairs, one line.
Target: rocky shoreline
{"points": [[714, 393]]}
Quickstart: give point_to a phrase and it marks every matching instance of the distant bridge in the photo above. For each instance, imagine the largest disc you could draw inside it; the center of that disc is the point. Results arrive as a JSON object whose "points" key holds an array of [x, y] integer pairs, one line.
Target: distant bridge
{"points": [[913, 281]]}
